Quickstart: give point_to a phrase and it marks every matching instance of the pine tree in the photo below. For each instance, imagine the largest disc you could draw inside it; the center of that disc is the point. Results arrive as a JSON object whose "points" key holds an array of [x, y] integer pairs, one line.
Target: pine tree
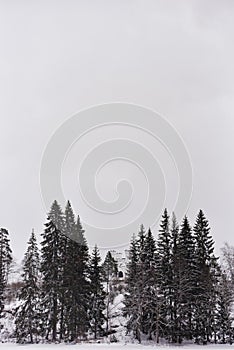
{"points": [[97, 296], [76, 279], [206, 280], [110, 271], [164, 246], [140, 284], [109, 267], [151, 301], [223, 319], [79, 236], [57, 217], [176, 334], [142, 301], [5, 263], [52, 272], [132, 266], [132, 296], [70, 224], [27, 314], [63, 257], [186, 270]]}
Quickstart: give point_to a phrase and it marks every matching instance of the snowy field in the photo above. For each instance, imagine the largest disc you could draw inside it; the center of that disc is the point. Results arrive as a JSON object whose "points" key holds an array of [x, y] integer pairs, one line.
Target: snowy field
{"points": [[109, 347]]}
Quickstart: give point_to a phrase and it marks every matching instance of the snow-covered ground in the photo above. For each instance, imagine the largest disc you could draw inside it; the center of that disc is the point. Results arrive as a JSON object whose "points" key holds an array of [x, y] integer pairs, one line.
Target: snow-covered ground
{"points": [[117, 321], [109, 347]]}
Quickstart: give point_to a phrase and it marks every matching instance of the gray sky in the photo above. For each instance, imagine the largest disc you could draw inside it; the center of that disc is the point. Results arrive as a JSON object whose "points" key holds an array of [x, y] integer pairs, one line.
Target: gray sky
{"points": [[57, 57]]}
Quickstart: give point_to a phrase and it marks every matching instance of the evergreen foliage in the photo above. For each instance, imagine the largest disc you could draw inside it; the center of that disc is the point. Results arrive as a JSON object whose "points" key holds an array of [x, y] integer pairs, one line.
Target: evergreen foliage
{"points": [[223, 325], [175, 289], [28, 316], [109, 271], [76, 279], [5, 264], [97, 295]]}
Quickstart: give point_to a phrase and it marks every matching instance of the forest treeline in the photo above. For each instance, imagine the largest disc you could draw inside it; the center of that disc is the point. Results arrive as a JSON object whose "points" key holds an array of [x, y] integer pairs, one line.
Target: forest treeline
{"points": [[175, 289]]}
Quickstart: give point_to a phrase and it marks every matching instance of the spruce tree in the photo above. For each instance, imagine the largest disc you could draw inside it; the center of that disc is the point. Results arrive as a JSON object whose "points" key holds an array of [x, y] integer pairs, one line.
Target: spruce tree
{"points": [[206, 280], [27, 314], [142, 299], [164, 246], [176, 335], [110, 271], [76, 279], [97, 295], [186, 271], [5, 264], [57, 217], [224, 319], [141, 282], [175, 291], [70, 224], [52, 272], [109, 267], [151, 300], [132, 296]]}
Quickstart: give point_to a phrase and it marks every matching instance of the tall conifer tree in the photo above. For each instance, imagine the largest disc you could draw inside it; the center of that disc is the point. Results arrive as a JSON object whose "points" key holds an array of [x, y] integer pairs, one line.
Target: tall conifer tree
{"points": [[5, 264], [97, 295], [176, 280], [132, 296], [187, 276], [206, 266], [223, 320], [164, 249], [51, 269], [110, 271], [28, 314], [76, 281]]}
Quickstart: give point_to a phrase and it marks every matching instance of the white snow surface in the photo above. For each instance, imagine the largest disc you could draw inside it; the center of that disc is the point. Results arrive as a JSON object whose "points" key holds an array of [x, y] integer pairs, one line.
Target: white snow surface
{"points": [[117, 321], [122, 346]]}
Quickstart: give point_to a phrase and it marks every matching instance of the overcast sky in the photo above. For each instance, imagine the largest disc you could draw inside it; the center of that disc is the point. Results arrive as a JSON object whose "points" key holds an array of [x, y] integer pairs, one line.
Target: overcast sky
{"points": [[58, 57]]}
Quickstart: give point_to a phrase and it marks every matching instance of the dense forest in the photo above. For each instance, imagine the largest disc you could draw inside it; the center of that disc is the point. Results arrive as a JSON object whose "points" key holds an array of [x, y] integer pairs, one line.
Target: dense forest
{"points": [[175, 289]]}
